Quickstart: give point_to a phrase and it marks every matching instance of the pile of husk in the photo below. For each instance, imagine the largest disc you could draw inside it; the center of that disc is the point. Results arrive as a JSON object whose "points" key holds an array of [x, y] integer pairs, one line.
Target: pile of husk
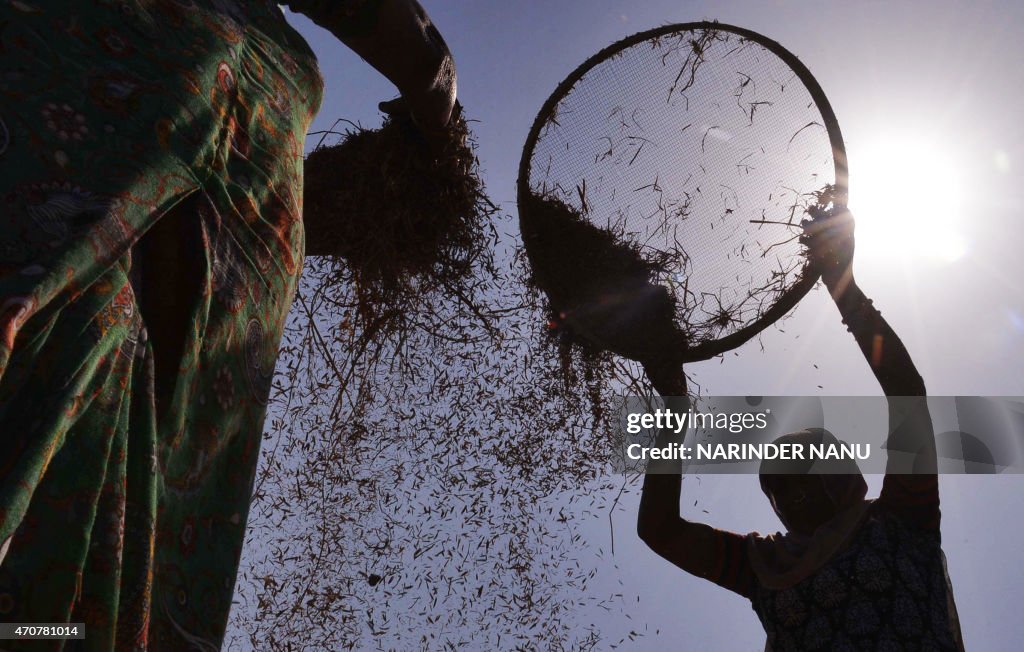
{"points": [[402, 217], [601, 288]]}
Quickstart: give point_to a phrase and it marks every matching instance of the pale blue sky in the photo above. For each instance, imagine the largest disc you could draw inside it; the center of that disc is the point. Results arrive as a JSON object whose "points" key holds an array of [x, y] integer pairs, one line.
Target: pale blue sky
{"points": [[945, 75]]}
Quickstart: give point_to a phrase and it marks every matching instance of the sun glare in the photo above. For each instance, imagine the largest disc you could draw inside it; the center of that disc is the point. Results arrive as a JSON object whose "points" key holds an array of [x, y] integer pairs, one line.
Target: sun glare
{"points": [[907, 196]]}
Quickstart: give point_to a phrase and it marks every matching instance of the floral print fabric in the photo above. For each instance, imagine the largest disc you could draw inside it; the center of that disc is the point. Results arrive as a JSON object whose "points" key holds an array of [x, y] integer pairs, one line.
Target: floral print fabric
{"points": [[887, 591], [126, 470]]}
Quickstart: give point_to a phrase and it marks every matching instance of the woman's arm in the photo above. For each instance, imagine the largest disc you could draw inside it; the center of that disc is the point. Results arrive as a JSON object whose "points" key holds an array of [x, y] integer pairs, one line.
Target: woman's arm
{"points": [[697, 548], [399, 40], [830, 243], [911, 443]]}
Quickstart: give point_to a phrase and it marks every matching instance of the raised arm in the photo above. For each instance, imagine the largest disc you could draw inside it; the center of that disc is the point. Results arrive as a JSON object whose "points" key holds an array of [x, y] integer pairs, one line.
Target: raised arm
{"points": [[829, 238], [911, 444], [697, 548], [399, 40]]}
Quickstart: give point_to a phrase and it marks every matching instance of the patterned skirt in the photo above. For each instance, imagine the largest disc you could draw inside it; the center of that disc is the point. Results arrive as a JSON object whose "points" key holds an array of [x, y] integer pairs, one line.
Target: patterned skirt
{"points": [[150, 246]]}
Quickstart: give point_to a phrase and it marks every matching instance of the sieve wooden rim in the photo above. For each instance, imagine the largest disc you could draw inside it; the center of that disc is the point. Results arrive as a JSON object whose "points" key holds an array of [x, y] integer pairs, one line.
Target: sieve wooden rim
{"points": [[807, 277]]}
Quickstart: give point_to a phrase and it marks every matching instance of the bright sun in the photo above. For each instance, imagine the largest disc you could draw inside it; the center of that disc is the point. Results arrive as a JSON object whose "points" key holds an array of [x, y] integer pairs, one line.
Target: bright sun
{"points": [[908, 199]]}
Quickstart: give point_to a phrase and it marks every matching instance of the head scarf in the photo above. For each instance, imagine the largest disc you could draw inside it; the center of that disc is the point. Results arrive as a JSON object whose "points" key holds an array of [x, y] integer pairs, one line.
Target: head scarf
{"points": [[782, 560]]}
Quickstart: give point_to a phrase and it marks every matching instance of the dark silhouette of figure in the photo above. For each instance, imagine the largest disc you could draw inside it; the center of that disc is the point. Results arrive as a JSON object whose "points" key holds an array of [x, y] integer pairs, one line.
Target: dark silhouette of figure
{"points": [[849, 573], [151, 243]]}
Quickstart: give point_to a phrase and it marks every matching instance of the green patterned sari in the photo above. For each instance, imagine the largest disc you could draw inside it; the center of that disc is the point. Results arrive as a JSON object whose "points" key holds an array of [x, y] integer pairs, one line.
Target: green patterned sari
{"points": [[150, 246]]}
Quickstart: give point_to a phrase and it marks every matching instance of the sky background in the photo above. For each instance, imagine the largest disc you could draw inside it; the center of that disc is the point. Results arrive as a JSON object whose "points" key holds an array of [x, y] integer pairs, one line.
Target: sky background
{"points": [[927, 94]]}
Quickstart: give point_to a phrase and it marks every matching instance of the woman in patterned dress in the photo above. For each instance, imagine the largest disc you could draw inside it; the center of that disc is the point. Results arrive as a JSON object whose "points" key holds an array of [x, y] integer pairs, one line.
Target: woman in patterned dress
{"points": [[849, 573], [150, 245]]}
